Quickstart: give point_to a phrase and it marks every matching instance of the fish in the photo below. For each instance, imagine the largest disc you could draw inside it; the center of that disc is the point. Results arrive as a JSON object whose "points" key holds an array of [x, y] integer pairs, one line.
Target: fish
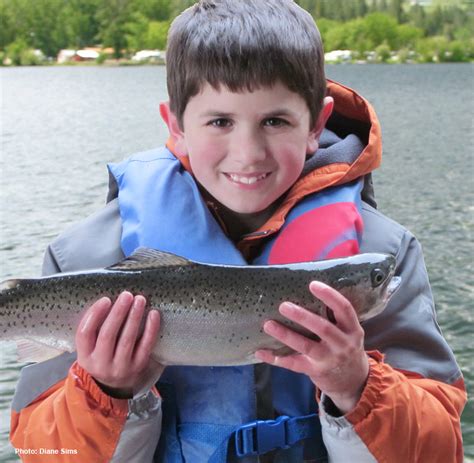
{"points": [[211, 315]]}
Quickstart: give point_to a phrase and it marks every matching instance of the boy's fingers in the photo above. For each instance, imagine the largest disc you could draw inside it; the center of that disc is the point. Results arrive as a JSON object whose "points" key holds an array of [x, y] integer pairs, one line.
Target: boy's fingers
{"points": [[129, 334], [292, 339], [86, 334], [147, 341], [294, 362], [323, 328], [346, 317], [110, 329]]}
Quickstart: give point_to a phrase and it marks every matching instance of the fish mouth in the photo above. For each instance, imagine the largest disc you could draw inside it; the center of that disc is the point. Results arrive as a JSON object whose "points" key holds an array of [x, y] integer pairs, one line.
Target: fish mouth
{"points": [[392, 287]]}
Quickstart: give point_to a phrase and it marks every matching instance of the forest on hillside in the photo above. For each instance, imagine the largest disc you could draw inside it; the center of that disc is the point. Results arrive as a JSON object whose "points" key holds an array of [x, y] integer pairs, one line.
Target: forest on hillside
{"points": [[440, 30]]}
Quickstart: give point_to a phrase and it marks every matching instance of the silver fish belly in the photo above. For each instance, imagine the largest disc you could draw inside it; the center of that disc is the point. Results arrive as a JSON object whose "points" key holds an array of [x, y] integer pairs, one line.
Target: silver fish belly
{"points": [[210, 314]]}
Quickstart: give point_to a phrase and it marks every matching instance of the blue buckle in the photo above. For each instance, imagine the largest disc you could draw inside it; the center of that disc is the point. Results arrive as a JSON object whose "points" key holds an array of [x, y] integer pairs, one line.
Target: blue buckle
{"points": [[259, 437]]}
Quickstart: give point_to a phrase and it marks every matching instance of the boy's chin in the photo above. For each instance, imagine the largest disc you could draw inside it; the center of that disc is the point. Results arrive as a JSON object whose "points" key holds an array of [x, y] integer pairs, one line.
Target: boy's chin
{"points": [[249, 207], [246, 209]]}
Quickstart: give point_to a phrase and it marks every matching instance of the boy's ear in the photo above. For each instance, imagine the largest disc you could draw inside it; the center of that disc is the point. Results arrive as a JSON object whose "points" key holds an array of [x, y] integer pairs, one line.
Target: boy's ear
{"points": [[324, 114], [175, 131]]}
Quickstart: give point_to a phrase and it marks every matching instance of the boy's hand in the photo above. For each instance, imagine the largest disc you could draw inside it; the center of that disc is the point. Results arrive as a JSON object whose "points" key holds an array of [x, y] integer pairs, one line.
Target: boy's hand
{"points": [[110, 348], [337, 364]]}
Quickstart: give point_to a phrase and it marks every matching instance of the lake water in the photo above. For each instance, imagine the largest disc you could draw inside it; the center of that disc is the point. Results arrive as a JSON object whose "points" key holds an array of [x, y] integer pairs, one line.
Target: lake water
{"points": [[60, 125]]}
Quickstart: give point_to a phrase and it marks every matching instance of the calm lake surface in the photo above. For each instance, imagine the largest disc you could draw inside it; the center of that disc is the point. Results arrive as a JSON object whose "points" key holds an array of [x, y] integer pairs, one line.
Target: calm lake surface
{"points": [[60, 125]]}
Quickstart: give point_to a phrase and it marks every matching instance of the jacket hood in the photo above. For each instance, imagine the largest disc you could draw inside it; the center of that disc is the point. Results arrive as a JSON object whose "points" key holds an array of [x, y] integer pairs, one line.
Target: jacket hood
{"points": [[350, 147]]}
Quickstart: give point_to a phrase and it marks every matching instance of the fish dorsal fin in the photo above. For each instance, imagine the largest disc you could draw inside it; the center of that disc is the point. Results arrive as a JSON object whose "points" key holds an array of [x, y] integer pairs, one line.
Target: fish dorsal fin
{"points": [[9, 284], [147, 258]]}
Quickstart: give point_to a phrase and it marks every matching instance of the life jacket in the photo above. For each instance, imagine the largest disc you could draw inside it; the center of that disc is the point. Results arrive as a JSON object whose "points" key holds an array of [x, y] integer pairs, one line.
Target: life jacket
{"points": [[211, 413]]}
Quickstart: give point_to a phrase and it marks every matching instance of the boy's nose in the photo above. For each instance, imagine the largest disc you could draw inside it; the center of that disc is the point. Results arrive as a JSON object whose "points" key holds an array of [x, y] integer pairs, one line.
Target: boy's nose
{"points": [[248, 148]]}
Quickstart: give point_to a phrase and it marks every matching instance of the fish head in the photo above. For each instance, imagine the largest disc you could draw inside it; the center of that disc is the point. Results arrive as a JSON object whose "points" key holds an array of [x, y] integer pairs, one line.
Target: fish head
{"points": [[382, 286], [371, 284]]}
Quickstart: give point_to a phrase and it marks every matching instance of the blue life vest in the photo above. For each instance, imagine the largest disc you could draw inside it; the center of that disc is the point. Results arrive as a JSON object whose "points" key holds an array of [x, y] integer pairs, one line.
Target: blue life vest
{"points": [[210, 413]]}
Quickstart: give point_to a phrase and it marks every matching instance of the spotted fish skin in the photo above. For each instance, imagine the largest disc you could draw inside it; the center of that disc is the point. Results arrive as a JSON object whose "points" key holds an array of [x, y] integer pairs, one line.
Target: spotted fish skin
{"points": [[210, 314]]}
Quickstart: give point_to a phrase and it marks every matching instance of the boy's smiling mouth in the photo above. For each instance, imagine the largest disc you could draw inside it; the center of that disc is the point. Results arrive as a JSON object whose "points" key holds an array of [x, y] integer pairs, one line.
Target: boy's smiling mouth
{"points": [[246, 179]]}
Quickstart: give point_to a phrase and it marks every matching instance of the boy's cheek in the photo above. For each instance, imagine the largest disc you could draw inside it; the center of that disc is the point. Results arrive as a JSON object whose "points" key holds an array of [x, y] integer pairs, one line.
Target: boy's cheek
{"points": [[204, 150]]}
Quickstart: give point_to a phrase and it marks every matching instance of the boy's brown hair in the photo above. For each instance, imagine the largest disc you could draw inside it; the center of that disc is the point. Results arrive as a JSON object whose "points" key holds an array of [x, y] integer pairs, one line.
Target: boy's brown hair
{"points": [[244, 44]]}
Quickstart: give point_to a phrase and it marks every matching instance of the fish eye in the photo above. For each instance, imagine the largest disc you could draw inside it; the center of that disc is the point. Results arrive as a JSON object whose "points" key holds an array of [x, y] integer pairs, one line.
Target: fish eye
{"points": [[377, 276]]}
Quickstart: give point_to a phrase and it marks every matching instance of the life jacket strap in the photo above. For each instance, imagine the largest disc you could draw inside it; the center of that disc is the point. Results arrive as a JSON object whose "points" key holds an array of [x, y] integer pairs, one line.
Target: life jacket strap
{"points": [[259, 437]]}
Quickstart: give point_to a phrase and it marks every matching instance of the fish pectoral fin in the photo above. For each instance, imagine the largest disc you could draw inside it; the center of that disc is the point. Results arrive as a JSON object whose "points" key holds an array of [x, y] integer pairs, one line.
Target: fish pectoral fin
{"points": [[284, 351], [281, 351], [30, 350], [150, 378], [144, 258]]}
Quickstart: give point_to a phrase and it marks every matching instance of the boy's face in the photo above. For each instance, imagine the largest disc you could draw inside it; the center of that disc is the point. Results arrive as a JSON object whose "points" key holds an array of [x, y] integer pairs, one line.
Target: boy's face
{"points": [[248, 148]]}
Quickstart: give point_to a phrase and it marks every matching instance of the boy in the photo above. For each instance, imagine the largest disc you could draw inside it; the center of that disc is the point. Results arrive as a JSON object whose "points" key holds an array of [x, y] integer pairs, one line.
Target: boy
{"points": [[263, 165]]}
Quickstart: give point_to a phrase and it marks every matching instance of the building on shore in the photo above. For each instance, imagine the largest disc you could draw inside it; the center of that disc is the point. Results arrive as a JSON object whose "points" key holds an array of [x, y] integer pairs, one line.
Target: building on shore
{"points": [[85, 54]]}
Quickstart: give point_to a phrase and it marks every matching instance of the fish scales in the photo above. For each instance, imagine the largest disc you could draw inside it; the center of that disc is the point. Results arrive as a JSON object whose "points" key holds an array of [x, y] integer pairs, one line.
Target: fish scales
{"points": [[210, 314]]}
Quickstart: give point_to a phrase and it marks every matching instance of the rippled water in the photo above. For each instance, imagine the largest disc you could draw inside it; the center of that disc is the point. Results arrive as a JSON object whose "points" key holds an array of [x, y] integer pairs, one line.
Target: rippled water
{"points": [[61, 125]]}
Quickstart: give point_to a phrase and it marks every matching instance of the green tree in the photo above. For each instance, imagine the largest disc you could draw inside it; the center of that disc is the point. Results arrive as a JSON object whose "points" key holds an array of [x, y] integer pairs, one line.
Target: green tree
{"points": [[309, 5], [157, 34], [46, 22], [319, 10], [16, 20], [458, 51], [114, 17], [396, 10], [177, 6], [380, 27], [7, 31], [361, 8], [155, 10], [15, 50], [382, 52], [434, 21], [326, 25], [407, 36], [341, 9], [417, 16], [21, 54], [136, 31], [335, 37], [82, 25], [143, 34], [349, 35]]}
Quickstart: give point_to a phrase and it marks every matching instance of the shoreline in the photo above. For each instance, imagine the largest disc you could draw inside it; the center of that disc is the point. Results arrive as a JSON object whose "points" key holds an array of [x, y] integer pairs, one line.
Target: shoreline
{"points": [[134, 64]]}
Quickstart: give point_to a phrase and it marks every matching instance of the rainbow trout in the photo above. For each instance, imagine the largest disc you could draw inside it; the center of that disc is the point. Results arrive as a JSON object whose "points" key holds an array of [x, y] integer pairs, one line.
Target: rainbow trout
{"points": [[210, 314]]}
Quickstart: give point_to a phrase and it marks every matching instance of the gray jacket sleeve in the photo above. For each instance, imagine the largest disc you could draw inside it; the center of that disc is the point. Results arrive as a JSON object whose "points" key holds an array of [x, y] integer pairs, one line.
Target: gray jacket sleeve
{"points": [[92, 243], [406, 331], [141, 432]]}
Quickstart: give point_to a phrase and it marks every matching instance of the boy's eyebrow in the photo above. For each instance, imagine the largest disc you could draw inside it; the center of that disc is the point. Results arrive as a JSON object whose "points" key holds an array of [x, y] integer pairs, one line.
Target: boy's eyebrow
{"points": [[213, 113], [274, 113], [281, 112]]}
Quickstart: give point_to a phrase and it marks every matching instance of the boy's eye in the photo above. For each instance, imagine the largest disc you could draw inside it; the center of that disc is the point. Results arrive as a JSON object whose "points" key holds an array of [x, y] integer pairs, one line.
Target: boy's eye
{"points": [[275, 122], [220, 123]]}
